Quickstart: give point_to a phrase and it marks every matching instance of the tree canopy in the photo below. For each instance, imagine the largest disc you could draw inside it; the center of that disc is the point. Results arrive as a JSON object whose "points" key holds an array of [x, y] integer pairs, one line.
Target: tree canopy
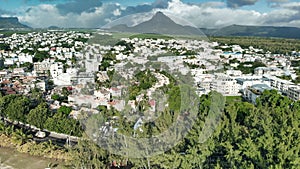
{"points": [[247, 136]]}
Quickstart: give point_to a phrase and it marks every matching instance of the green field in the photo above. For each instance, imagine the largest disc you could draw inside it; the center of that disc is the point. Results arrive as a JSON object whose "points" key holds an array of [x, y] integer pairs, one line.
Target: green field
{"points": [[231, 99], [274, 45], [151, 36]]}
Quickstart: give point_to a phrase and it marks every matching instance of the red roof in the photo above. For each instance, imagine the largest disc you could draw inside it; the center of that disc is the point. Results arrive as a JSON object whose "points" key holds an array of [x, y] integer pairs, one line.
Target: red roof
{"points": [[112, 103], [152, 103], [6, 82], [69, 88], [114, 89]]}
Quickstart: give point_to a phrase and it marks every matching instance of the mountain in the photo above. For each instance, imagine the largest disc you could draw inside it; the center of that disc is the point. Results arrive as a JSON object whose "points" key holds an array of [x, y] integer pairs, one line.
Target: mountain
{"points": [[54, 28], [11, 22], [158, 24], [258, 31]]}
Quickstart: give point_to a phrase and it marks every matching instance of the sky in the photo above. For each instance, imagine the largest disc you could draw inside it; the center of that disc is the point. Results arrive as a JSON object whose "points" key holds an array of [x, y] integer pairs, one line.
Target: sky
{"points": [[201, 13]]}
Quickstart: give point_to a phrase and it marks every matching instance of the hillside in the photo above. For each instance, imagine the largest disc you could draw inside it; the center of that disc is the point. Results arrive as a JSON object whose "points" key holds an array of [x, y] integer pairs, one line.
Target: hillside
{"points": [[255, 31], [158, 24], [11, 22]]}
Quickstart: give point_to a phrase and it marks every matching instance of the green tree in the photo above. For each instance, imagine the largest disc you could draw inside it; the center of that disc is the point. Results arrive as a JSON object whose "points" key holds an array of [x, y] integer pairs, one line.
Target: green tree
{"points": [[19, 137], [38, 115], [64, 110], [18, 108]]}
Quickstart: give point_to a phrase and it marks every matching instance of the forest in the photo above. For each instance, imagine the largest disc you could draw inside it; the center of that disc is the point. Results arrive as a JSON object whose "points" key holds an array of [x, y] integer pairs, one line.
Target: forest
{"points": [[35, 111], [274, 45], [263, 136]]}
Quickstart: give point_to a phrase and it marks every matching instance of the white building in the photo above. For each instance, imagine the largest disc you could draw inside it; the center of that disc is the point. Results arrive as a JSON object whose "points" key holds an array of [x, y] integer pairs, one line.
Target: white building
{"points": [[41, 67], [204, 83], [25, 58], [55, 69], [293, 92], [225, 85], [274, 71], [234, 72], [279, 84], [253, 92]]}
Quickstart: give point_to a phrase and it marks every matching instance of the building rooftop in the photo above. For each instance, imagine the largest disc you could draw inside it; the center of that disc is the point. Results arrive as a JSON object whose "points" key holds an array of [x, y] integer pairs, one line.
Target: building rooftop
{"points": [[261, 87]]}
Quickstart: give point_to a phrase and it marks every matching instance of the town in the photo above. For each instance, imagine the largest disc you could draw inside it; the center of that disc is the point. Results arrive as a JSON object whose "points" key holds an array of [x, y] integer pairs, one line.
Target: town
{"points": [[130, 83], [53, 61]]}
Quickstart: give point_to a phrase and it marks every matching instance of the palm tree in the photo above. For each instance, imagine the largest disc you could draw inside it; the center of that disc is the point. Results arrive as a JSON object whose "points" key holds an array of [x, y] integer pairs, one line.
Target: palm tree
{"points": [[8, 130], [20, 137], [2, 128]]}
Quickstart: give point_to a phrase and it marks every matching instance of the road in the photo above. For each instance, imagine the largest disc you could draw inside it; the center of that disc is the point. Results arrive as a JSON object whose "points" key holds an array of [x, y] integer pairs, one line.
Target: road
{"points": [[56, 138]]}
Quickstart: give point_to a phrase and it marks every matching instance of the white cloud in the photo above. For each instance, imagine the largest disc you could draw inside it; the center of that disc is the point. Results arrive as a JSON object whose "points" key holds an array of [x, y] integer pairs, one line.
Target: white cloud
{"points": [[49, 15], [206, 15], [43, 15], [291, 5], [117, 12], [211, 14]]}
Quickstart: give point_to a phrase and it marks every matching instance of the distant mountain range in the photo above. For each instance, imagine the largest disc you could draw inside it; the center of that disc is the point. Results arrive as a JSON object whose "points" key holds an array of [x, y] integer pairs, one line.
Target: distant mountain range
{"points": [[11, 22], [257, 31], [162, 24], [158, 24]]}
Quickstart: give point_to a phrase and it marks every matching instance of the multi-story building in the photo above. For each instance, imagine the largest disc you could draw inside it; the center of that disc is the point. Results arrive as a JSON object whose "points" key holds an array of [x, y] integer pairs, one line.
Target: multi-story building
{"points": [[279, 84], [225, 85], [251, 93], [41, 67], [293, 92], [269, 71]]}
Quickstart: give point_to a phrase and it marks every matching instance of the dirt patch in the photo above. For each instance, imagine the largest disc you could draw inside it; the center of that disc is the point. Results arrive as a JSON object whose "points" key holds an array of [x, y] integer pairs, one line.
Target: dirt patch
{"points": [[11, 159]]}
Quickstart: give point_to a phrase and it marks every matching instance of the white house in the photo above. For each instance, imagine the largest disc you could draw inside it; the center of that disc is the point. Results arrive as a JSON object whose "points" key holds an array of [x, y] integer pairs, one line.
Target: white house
{"points": [[225, 85]]}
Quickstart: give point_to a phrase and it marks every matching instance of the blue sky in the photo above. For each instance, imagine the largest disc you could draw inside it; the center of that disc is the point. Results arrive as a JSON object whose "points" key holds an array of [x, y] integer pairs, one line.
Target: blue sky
{"points": [[13, 5], [202, 13]]}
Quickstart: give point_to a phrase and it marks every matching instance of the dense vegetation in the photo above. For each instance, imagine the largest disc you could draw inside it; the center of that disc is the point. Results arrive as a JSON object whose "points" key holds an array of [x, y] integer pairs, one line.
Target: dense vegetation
{"points": [[11, 136], [36, 112], [40, 56], [128, 46], [248, 67], [4, 46], [297, 80], [143, 81], [151, 36], [107, 61], [275, 45], [248, 136]]}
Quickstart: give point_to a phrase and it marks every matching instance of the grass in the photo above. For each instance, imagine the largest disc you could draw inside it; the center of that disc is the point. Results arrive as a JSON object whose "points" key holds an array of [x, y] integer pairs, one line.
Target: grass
{"points": [[274, 45], [10, 158], [151, 36], [103, 40], [108, 39], [231, 99], [10, 32], [116, 37]]}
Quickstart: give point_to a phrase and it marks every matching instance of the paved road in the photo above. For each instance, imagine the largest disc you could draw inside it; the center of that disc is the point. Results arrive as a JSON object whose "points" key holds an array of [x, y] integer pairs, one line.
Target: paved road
{"points": [[56, 138]]}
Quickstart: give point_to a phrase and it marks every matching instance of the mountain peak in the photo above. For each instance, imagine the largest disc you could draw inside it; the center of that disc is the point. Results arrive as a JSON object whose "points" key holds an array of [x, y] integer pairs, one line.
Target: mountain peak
{"points": [[159, 24], [161, 18], [159, 14], [11, 22]]}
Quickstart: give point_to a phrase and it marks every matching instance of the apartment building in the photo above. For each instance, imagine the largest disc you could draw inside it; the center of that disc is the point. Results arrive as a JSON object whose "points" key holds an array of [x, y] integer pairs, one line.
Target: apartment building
{"points": [[251, 93], [225, 85], [279, 84], [293, 92]]}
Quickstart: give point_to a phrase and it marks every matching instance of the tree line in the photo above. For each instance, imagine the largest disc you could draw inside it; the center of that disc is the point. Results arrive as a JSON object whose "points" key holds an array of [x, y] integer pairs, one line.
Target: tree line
{"points": [[275, 45], [37, 112], [247, 136]]}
